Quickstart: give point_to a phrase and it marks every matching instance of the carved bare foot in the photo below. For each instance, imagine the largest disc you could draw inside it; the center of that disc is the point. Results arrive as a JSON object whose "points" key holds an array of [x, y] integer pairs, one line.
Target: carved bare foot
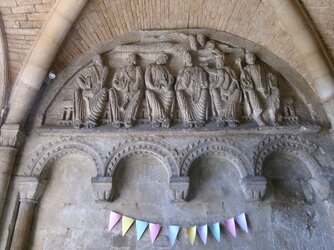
{"points": [[220, 122], [155, 124], [90, 124], [165, 124], [77, 124], [199, 124], [232, 124], [188, 124], [128, 124], [116, 124], [275, 124]]}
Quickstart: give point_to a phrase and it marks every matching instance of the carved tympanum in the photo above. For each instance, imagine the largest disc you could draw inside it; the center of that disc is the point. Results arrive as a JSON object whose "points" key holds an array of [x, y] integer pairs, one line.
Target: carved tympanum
{"points": [[91, 96], [159, 92], [225, 93], [260, 91], [192, 93], [126, 93], [208, 87]]}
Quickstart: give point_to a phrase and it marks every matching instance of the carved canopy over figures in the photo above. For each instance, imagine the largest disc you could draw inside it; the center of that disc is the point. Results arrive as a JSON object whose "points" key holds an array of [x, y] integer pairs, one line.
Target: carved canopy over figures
{"points": [[174, 78]]}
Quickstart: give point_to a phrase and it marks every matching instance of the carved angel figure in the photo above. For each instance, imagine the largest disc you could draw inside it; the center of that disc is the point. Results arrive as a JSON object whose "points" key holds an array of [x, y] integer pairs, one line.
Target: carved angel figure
{"points": [[260, 91], [160, 95], [192, 93], [126, 93], [91, 97], [225, 93]]}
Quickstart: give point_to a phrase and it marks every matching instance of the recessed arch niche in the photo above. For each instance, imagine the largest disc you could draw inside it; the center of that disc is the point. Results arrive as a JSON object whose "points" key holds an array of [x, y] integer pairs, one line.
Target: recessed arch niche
{"points": [[67, 209], [293, 202], [215, 179]]}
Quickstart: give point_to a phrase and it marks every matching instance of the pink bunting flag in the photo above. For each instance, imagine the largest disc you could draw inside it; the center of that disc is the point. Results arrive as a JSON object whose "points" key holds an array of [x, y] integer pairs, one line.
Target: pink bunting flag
{"points": [[113, 219], [242, 222], [230, 226], [154, 231]]}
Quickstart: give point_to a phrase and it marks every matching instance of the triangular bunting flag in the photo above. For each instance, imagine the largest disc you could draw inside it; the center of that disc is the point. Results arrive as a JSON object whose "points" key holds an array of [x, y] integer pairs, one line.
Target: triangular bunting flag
{"points": [[203, 232], [126, 224], [154, 231], [113, 219], [172, 233], [230, 226], [140, 228], [191, 231], [242, 222], [215, 230]]}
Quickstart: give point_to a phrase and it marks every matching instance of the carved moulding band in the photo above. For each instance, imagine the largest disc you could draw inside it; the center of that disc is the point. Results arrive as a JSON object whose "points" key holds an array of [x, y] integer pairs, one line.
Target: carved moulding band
{"points": [[161, 152], [302, 149], [51, 152], [232, 152]]}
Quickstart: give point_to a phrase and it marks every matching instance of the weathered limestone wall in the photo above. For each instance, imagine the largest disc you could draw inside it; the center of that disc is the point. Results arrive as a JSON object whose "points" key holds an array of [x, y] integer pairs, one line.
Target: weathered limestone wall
{"points": [[289, 218]]}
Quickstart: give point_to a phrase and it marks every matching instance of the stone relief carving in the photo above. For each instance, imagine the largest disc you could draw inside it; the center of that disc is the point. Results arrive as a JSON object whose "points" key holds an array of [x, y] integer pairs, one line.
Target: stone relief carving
{"points": [[91, 96], [126, 93], [260, 91], [225, 93], [289, 112], [192, 93], [159, 92], [208, 87]]}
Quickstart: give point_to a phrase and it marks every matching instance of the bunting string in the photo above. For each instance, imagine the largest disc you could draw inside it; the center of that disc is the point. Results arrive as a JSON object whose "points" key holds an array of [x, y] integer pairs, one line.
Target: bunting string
{"points": [[173, 230]]}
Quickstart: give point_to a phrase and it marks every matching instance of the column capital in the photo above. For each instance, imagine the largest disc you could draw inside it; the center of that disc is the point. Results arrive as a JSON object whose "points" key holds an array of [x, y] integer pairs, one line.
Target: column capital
{"points": [[30, 188], [179, 187], [253, 187], [102, 186], [11, 135]]}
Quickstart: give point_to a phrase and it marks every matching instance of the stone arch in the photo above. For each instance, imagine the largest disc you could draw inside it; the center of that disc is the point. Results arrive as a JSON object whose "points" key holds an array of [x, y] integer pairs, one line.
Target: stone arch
{"points": [[302, 149], [44, 158], [161, 152], [4, 74], [232, 152]]}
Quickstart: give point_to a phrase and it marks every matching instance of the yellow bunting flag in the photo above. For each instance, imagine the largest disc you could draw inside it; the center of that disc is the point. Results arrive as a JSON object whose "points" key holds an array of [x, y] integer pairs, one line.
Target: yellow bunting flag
{"points": [[191, 231], [126, 224]]}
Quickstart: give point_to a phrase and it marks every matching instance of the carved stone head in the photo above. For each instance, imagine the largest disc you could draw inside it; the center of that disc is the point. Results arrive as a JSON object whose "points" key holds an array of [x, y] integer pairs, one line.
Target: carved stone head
{"points": [[187, 59], [250, 58], [220, 61], [201, 39], [161, 59], [132, 59], [97, 60]]}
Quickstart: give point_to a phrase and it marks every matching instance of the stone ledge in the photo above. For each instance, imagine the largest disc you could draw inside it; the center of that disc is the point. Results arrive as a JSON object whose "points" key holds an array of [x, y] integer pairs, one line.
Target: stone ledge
{"points": [[210, 129]]}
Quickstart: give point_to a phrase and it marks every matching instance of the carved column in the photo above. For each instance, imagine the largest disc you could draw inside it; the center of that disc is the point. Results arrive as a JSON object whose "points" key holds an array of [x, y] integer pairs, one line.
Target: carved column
{"points": [[10, 139], [30, 190]]}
